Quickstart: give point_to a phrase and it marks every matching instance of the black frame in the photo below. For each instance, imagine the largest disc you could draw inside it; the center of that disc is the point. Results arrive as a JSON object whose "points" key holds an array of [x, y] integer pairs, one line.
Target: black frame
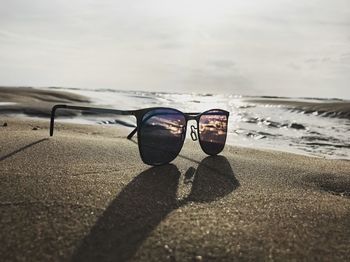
{"points": [[139, 115]]}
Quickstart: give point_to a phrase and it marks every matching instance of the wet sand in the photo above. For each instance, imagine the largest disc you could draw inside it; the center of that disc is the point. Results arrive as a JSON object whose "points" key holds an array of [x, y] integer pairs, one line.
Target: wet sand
{"points": [[36, 102], [85, 195]]}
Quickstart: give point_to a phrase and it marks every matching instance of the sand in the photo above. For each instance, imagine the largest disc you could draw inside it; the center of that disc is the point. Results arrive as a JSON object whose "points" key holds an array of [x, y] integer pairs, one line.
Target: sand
{"points": [[85, 195], [36, 102]]}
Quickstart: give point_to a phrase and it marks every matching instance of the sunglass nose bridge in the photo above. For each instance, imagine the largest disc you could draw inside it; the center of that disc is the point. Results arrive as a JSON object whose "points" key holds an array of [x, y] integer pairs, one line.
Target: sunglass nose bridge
{"points": [[194, 133]]}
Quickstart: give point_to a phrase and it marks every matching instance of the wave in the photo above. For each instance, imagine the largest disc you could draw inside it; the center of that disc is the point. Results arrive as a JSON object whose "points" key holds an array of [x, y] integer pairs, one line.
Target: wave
{"points": [[327, 108]]}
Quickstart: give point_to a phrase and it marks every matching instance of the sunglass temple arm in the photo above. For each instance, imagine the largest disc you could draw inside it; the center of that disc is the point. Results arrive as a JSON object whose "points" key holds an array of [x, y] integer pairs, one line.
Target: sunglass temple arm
{"points": [[92, 109]]}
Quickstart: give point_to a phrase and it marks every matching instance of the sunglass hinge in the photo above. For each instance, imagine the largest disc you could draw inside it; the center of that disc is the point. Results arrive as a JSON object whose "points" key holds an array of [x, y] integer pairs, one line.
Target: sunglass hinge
{"points": [[194, 133]]}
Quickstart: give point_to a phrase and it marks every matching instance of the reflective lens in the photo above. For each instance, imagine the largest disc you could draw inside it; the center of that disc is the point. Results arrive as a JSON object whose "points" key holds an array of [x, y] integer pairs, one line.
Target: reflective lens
{"points": [[212, 131], [161, 135]]}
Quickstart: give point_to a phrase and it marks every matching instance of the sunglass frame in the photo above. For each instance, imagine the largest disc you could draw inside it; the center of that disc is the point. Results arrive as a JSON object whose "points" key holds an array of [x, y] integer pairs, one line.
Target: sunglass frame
{"points": [[139, 114]]}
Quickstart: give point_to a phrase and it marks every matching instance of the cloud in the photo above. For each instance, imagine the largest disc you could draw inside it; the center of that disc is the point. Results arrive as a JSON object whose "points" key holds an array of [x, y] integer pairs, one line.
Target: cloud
{"points": [[294, 66], [278, 47], [222, 63]]}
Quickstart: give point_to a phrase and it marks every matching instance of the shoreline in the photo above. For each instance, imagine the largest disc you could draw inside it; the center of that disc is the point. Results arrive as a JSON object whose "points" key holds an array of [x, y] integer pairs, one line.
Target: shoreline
{"points": [[35, 102], [340, 109], [251, 131], [25, 100]]}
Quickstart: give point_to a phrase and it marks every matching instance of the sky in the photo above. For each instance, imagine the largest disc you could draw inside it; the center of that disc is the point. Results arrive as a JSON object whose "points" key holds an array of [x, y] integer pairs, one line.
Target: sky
{"points": [[254, 47]]}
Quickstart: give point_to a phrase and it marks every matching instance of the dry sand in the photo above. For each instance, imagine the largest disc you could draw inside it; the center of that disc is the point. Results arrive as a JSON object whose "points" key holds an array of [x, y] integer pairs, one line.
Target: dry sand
{"points": [[85, 195]]}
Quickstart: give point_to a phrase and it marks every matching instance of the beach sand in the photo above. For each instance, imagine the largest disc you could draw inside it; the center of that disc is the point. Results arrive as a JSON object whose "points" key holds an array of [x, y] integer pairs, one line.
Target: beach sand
{"points": [[36, 102], [85, 195]]}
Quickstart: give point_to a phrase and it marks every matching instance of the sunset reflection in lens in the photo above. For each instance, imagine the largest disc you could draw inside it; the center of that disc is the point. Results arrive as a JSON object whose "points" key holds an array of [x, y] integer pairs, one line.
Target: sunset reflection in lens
{"points": [[213, 131], [162, 135]]}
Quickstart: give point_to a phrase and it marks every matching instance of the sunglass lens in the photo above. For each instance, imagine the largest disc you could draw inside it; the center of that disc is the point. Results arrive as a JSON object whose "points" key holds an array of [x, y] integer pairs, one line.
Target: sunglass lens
{"points": [[161, 135], [213, 131]]}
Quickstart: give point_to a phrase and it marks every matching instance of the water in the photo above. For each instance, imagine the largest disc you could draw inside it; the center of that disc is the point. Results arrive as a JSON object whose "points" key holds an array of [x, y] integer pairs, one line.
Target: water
{"points": [[255, 122]]}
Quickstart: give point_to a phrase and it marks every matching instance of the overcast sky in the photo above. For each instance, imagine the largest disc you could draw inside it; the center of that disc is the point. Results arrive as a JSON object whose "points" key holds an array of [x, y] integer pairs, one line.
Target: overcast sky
{"points": [[270, 47]]}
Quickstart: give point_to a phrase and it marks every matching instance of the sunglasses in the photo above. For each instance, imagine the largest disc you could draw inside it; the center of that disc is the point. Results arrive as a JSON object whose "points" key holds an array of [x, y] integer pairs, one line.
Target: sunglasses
{"points": [[161, 131]]}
